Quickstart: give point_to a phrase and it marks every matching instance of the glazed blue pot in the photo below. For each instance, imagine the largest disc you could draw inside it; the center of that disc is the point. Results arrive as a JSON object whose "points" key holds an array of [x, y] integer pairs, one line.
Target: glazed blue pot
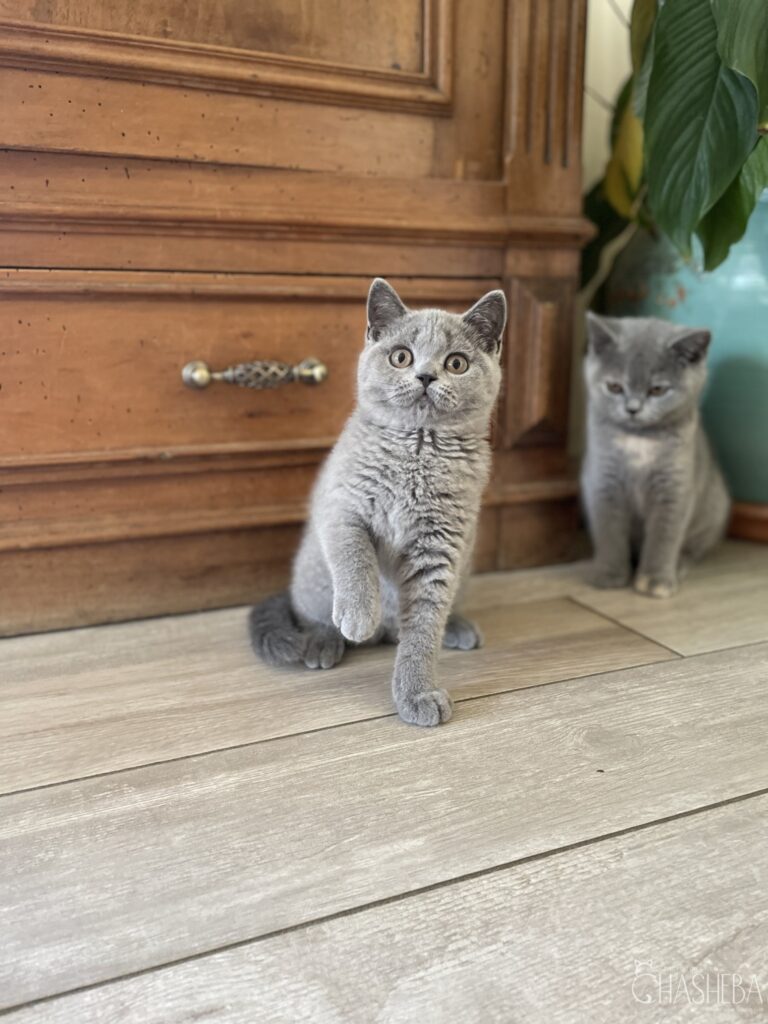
{"points": [[650, 279]]}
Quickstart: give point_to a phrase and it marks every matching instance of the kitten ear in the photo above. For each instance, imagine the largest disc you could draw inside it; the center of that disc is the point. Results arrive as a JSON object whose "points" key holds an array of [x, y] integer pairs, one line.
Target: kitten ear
{"points": [[384, 307], [599, 334], [692, 346], [488, 318]]}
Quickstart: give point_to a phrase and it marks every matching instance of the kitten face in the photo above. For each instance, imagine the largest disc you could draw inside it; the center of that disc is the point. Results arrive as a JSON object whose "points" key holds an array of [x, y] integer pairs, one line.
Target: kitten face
{"points": [[643, 373], [428, 368]]}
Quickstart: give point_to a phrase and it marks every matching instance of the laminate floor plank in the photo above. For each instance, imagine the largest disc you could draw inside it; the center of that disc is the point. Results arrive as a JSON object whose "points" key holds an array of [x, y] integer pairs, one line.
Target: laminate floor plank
{"points": [[115, 874], [702, 618], [601, 934], [89, 701], [723, 602]]}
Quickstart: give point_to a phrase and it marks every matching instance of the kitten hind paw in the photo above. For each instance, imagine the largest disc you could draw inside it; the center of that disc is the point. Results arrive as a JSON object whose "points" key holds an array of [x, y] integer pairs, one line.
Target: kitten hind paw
{"points": [[324, 648], [655, 586], [461, 634], [427, 708], [607, 577]]}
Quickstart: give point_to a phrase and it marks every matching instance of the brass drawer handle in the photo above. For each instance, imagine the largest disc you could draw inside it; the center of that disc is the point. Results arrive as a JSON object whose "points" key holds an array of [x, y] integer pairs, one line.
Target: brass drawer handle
{"points": [[262, 373]]}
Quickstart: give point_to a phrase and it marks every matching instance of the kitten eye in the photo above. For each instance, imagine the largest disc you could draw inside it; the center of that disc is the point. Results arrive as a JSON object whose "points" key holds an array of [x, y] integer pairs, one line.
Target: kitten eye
{"points": [[457, 363], [614, 388], [401, 357], [658, 389]]}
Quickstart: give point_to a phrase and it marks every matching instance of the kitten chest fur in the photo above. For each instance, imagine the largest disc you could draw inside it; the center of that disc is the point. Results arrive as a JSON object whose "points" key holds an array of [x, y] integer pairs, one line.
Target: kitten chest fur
{"points": [[405, 484], [640, 462], [640, 452]]}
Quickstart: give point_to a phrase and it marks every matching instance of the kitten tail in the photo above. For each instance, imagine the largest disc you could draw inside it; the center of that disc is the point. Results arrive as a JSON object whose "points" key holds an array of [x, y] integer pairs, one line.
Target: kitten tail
{"points": [[275, 634]]}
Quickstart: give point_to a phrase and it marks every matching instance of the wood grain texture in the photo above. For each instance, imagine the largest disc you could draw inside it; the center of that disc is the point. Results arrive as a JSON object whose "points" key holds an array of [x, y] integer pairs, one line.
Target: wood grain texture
{"points": [[78, 114], [61, 587], [104, 353], [110, 873], [540, 532], [555, 941], [545, 50], [199, 138], [457, 96], [750, 521], [380, 38], [48, 588], [83, 702], [168, 198], [99, 191], [402, 59], [536, 406], [723, 602], [59, 244]]}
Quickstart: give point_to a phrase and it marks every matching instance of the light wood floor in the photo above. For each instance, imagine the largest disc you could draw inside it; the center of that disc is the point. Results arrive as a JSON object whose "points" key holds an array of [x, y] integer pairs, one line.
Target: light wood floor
{"points": [[186, 835]]}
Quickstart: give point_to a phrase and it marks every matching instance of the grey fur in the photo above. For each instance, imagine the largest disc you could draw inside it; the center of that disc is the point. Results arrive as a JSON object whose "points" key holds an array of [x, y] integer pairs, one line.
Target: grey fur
{"points": [[393, 513], [279, 639], [651, 487]]}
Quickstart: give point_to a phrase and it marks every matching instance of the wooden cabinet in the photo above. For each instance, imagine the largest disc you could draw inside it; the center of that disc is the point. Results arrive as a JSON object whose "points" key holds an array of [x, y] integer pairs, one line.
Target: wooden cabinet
{"points": [[219, 181]]}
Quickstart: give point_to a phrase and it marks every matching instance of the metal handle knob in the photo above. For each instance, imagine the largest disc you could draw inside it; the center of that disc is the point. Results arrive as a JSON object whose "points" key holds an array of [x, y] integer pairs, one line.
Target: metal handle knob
{"points": [[262, 373]]}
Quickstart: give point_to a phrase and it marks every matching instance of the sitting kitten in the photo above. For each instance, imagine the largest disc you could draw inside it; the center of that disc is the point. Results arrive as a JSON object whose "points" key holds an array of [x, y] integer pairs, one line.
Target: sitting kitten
{"points": [[393, 513], [652, 489]]}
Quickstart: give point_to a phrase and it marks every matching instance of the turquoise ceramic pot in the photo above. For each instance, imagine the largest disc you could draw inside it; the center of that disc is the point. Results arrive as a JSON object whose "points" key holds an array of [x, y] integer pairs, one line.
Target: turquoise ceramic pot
{"points": [[650, 279]]}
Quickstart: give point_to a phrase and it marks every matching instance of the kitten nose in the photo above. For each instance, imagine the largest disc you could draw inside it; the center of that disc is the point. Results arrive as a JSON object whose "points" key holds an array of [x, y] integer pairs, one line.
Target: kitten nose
{"points": [[633, 406], [426, 379]]}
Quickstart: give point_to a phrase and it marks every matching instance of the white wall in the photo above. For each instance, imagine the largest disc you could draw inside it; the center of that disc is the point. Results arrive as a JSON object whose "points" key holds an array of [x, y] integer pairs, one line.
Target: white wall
{"points": [[607, 68]]}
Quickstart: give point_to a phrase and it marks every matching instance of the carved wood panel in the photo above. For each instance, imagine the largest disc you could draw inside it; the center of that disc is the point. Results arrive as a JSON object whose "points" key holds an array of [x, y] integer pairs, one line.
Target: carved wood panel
{"points": [[539, 345], [380, 36], [545, 60], [396, 55]]}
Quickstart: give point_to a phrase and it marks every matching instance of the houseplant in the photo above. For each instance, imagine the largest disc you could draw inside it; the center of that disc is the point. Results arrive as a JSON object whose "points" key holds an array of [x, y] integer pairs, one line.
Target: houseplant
{"points": [[688, 165]]}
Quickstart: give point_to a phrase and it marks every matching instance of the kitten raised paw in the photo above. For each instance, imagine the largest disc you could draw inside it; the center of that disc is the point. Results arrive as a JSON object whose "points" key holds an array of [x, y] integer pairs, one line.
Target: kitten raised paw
{"points": [[358, 617], [461, 634], [429, 707], [655, 586], [607, 578]]}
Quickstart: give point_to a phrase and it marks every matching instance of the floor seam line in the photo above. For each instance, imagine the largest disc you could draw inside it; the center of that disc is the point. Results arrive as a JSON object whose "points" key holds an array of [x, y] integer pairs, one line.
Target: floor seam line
{"points": [[337, 725], [398, 897], [630, 629]]}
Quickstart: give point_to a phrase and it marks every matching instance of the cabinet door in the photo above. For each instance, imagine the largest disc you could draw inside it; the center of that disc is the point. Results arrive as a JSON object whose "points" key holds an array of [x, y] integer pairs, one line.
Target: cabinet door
{"points": [[218, 181]]}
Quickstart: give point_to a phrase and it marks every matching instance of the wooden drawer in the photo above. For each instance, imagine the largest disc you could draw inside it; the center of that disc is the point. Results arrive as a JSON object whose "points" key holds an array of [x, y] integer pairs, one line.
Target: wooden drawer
{"points": [[181, 183], [92, 361]]}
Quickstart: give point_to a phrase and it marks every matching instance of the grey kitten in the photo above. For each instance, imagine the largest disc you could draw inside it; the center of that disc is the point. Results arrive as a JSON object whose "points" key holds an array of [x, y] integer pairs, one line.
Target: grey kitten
{"points": [[394, 510], [651, 487]]}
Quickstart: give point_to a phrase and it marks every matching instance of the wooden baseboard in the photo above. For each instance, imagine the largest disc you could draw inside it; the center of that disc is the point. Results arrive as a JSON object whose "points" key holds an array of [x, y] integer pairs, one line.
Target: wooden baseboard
{"points": [[88, 584], [749, 521]]}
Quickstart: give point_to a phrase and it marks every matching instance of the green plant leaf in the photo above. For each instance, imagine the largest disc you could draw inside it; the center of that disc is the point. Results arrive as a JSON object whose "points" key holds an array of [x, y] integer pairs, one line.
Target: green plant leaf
{"points": [[640, 29], [624, 97], [624, 173], [643, 76], [727, 221], [700, 120], [742, 39]]}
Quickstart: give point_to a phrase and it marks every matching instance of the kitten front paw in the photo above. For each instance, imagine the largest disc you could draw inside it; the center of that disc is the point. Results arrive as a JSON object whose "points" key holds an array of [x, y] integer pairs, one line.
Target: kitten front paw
{"points": [[461, 634], [428, 707], [655, 586], [608, 577], [357, 616]]}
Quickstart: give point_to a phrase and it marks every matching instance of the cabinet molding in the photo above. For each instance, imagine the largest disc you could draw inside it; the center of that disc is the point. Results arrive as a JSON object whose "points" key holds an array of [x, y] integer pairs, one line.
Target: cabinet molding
{"points": [[38, 47]]}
